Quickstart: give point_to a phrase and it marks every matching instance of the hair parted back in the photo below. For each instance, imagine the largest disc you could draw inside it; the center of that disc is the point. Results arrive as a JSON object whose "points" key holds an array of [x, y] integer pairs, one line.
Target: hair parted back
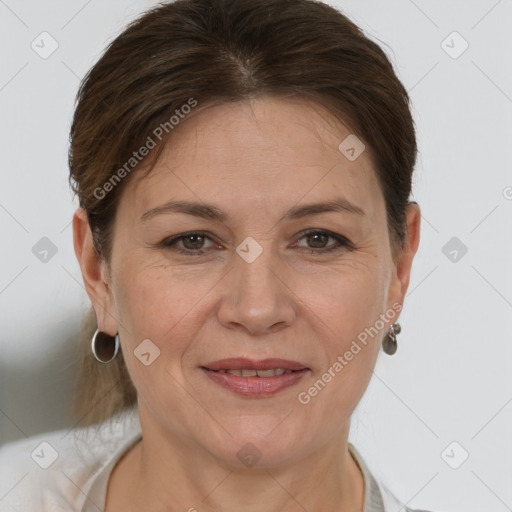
{"points": [[218, 51]]}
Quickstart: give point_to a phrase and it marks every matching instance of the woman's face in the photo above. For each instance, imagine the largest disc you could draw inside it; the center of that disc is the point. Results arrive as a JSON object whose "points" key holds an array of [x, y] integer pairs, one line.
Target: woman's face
{"points": [[250, 282]]}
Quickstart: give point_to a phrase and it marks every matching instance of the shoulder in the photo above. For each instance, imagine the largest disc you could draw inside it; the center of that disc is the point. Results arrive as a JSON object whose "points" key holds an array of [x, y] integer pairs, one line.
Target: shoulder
{"points": [[378, 497], [392, 503], [28, 466], [53, 471]]}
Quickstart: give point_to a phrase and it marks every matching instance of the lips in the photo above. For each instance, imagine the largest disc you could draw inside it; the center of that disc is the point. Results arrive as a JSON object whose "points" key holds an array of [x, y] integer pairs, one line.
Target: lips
{"points": [[241, 363], [255, 379], [271, 372]]}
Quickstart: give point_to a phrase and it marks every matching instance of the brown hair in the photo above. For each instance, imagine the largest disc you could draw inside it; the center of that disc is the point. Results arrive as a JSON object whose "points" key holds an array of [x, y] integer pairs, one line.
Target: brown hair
{"points": [[217, 51]]}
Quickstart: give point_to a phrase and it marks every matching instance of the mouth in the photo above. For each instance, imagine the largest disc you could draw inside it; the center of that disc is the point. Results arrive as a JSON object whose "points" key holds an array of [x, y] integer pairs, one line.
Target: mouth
{"points": [[271, 372], [255, 379]]}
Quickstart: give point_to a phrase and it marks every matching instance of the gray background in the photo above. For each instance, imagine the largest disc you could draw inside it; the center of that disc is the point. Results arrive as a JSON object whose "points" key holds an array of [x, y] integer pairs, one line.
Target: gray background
{"points": [[450, 379]]}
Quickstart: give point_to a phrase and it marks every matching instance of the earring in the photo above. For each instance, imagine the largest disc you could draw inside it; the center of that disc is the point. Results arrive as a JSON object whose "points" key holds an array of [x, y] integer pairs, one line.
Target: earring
{"points": [[104, 347], [389, 342]]}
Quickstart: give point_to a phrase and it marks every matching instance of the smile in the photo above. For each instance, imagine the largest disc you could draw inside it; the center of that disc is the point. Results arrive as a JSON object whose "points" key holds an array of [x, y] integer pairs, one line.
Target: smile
{"points": [[255, 379], [273, 372]]}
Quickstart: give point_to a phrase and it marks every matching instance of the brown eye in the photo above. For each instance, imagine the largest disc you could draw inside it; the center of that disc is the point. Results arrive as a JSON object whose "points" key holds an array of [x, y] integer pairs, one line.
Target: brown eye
{"points": [[196, 241], [190, 244], [317, 240]]}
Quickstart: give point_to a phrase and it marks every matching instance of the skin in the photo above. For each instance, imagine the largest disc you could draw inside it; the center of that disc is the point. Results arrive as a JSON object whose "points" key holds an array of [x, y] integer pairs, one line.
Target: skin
{"points": [[254, 160]]}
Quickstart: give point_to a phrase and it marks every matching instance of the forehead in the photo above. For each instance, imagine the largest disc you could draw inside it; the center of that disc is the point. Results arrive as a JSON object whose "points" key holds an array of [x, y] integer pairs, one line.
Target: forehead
{"points": [[266, 150]]}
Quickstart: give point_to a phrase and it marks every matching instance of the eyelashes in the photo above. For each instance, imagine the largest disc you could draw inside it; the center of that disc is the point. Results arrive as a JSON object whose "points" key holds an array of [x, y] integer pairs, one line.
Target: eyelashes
{"points": [[198, 237]]}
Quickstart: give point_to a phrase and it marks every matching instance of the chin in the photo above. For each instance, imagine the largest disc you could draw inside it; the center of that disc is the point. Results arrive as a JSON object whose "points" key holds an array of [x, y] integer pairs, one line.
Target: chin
{"points": [[261, 446]]}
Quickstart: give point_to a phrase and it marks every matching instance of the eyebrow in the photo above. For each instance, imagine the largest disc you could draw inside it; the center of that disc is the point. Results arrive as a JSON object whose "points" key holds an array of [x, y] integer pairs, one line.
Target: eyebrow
{"points": [[211, 212]]}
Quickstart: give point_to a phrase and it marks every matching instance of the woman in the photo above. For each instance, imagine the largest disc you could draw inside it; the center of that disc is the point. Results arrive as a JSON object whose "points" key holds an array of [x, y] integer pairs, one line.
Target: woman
{"points": [[246, 240]]}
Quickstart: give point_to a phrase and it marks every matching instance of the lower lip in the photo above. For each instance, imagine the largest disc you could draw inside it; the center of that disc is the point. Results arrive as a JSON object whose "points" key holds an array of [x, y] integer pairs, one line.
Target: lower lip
{"points": [[255, 387]]}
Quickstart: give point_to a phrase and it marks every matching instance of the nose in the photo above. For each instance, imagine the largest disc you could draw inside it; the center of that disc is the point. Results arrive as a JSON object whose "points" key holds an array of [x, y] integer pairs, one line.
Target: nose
{"points": [[256, 297]]}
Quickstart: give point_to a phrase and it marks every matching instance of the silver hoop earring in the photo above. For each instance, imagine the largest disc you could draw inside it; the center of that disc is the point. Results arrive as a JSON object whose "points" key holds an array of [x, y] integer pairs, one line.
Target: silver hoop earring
{"points": [[104, 347], [389, 344]]}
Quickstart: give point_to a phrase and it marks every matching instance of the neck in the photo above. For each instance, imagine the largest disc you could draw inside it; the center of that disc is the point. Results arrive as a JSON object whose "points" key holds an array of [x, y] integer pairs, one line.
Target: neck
{"points": [[162, 473]]}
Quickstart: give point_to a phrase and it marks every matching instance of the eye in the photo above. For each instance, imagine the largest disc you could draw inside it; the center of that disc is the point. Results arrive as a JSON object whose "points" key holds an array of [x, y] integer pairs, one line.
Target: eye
{"points": [[193, 243], [318, 239]]}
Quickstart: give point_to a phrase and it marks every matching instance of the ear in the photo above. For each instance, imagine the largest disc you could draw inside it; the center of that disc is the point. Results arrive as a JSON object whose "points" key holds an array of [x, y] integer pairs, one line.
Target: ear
{"points": [[95, 274], [402, 275]]}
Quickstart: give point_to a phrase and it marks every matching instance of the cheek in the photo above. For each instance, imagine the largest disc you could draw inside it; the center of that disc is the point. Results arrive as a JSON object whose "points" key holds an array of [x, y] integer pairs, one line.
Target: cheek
{"points": [[158, 303], [153, 306], [348, 319], [154, 297], [346, 300]]}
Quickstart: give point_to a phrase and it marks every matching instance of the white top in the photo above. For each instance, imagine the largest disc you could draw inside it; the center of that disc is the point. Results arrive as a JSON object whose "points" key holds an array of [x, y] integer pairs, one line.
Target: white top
{"points": [[68, 471]]}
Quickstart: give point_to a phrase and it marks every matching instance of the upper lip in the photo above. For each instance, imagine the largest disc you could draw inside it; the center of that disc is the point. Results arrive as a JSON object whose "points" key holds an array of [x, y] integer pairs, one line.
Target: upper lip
{"points": [[242, 363]]}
